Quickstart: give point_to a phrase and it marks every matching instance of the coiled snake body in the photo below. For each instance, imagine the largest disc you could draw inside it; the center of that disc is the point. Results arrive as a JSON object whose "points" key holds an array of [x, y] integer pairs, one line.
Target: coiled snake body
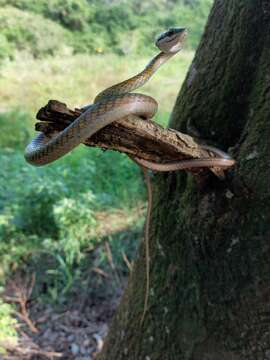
{"points": [[113, 104]]}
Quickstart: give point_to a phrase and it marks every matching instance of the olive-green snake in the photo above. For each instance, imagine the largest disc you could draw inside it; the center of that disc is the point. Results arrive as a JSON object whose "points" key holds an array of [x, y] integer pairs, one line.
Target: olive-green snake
{"points": [[115, 103]]}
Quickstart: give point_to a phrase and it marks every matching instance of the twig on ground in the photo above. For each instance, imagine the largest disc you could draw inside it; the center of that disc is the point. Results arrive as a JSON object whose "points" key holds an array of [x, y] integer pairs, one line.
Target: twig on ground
{"points": [[21, 295], [111, 262], [25, 348], [127, 262]]}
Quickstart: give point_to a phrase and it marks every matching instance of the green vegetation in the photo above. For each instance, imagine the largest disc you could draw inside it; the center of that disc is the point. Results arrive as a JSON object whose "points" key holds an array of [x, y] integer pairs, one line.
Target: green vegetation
{"points": [[94, 26], [25, 31], [8, 333], [53, 209]]}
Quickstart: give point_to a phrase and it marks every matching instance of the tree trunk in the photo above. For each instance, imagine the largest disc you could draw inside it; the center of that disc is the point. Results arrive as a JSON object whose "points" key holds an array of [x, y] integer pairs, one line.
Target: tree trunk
{"points": [[209, 249]]}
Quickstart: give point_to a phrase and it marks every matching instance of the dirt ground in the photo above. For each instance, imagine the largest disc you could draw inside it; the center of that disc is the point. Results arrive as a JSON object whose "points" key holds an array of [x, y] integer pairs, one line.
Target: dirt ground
{"points": [[72, 331]]}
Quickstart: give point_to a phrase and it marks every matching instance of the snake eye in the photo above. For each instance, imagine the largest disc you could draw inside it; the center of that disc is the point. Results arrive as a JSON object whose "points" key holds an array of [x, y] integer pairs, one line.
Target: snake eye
{"points": [[170, 32], [166, 34]]}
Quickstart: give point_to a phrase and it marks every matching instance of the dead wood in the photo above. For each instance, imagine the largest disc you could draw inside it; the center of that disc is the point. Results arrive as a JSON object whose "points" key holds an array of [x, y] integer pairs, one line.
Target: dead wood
{"points": [[131, 135]]}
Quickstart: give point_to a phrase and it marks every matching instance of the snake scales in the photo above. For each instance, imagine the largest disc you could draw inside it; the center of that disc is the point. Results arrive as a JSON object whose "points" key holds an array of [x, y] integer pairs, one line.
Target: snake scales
{"points": [[115, 103]]}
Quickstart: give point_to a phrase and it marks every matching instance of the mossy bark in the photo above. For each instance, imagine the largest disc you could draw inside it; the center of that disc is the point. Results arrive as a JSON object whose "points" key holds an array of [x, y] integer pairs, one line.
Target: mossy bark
{"points": [[210, 250]]}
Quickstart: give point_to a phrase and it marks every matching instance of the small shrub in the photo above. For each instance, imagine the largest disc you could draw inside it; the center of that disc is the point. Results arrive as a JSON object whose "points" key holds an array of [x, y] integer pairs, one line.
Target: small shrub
{"points": [[26, 31], [76, 223]]}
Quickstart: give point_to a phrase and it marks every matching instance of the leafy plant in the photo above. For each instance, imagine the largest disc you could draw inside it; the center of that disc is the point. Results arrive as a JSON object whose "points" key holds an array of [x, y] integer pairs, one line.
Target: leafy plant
{"points": [[8, 333], [26, 31]]}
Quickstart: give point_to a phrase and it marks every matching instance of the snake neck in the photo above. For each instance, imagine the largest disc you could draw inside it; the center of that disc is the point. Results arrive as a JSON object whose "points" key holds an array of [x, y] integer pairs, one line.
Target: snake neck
{"points": [[136, 81]]}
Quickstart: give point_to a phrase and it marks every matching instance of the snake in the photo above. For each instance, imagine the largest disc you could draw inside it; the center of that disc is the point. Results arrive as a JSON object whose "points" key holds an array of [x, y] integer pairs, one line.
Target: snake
{"points": [[113, 104]]}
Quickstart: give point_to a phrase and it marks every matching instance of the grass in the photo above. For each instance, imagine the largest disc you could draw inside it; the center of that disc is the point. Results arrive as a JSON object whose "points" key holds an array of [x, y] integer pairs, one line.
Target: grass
{"points": [[28, 83]]}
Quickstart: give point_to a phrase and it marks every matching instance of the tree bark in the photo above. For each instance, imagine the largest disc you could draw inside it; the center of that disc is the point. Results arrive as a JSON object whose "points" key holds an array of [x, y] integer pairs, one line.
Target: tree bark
{"points": [[209, 248]]}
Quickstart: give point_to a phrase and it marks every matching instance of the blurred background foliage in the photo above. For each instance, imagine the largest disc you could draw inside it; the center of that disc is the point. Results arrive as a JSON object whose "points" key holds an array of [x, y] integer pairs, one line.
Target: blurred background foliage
{"points": [[45, 27], [85, 211]]}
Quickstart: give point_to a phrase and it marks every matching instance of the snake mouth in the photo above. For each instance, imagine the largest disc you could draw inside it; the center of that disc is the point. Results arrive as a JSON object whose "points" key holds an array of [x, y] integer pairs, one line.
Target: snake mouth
{"points": [[182, 34], [172, 39]]}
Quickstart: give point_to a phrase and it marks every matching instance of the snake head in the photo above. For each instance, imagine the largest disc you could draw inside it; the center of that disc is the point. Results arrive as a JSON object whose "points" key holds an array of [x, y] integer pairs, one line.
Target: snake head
{"points": [[171, 40]]}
